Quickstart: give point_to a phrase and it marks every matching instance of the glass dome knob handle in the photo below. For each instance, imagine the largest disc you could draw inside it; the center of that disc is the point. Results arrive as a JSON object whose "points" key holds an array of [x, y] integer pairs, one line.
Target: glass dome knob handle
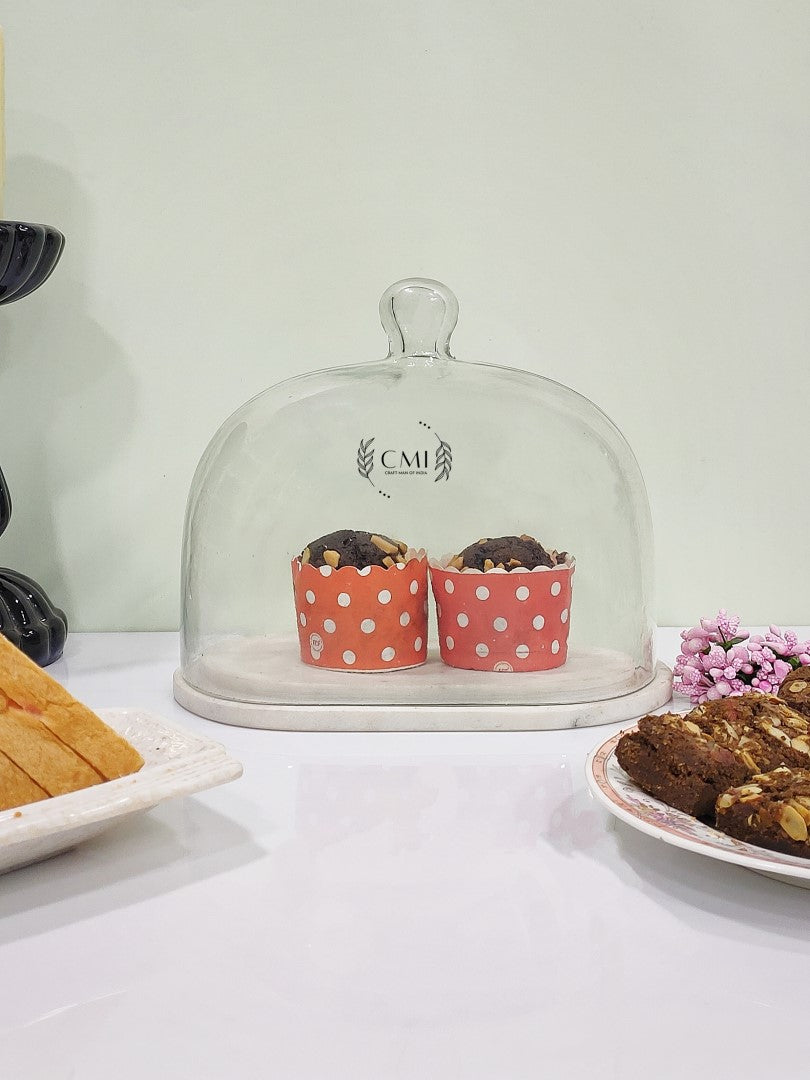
{"points": [[419, 315]]}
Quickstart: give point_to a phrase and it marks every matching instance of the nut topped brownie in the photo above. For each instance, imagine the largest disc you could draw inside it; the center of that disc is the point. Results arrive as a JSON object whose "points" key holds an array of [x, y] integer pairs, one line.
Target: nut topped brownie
{"points": [[507, 553], [353, 547], [671, 758], [795, 690], [771, 810], [762, 730]]}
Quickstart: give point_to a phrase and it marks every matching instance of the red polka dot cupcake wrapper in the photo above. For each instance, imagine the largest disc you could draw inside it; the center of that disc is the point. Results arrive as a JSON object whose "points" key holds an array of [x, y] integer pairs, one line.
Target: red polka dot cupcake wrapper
{"points": [[500, 621], [372, 619]]}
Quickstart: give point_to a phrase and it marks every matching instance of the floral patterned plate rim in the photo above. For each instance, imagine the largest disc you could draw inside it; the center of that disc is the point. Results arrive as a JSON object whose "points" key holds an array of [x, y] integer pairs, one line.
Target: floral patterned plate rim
{"points": [[625, 800]]}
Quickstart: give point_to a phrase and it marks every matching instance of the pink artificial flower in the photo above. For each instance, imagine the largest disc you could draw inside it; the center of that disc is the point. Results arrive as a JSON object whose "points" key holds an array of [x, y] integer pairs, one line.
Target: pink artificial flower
{"points": [[717, 660]]}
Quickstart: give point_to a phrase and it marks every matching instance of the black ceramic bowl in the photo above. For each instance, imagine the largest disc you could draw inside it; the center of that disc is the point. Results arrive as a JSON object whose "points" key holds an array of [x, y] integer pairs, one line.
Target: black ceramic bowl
{"points": [[28, 254]]}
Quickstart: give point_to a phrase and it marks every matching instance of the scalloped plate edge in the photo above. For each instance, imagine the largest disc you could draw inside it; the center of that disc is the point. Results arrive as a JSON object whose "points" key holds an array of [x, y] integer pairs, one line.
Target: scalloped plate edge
{"points": [[649, 815]]}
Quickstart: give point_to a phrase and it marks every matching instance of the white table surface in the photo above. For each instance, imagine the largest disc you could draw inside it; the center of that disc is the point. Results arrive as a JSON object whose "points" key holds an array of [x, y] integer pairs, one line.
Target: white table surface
{"points": [[389, 906]]}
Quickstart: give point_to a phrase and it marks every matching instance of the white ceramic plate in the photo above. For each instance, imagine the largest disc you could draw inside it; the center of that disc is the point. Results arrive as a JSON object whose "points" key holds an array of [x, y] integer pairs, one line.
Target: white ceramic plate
{"points": [[625, 800], [176, 763]]}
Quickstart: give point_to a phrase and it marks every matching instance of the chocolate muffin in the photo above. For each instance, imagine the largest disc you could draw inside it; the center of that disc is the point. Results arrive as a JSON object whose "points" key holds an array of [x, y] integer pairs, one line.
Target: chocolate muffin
{"points": [[507, 553], [795, 690], [353, 547], [771, 810], [671, 758]]}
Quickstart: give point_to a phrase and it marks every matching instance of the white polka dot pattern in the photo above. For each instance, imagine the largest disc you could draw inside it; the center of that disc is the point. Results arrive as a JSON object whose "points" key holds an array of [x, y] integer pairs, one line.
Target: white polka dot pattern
{"points": [[361, 620], [503, 622]]}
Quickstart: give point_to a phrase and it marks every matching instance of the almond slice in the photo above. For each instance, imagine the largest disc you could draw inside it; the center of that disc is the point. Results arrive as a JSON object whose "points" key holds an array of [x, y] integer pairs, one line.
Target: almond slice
{"points": [[793, 823]]}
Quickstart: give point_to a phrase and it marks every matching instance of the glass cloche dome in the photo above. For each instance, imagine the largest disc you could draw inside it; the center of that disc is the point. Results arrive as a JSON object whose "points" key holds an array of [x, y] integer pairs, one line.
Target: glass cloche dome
{"points": [[439, 454]]}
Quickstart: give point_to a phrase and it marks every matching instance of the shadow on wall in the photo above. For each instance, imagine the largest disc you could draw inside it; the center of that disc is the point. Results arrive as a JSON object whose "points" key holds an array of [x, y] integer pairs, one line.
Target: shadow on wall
{"points": [[67, 398]]}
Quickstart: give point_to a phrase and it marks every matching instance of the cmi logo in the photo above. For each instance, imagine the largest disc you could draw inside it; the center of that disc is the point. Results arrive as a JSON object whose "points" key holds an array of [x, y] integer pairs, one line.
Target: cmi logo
{"points": [[398, 461]]}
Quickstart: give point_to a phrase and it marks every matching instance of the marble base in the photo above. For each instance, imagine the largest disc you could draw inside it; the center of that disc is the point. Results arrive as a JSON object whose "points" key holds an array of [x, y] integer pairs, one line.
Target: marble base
{"points": [[483, 716]]}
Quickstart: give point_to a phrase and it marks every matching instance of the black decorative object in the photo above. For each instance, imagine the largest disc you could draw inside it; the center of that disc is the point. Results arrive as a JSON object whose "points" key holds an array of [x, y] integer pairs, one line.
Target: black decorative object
{"points": [[28, 254]]}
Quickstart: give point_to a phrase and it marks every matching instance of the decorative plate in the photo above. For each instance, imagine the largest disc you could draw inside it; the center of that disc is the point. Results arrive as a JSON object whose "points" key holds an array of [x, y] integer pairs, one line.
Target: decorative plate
{"points": [[625, 800], [176, 763]]}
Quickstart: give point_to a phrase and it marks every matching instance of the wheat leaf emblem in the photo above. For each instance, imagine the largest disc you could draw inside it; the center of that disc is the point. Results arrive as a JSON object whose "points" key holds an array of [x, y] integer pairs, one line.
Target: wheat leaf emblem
{"points": [[365, 459], [444, 460]]}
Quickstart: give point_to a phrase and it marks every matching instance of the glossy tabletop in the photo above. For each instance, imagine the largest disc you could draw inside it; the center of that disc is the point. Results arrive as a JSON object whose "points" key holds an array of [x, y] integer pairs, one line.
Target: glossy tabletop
{"points": [[388, 906]]}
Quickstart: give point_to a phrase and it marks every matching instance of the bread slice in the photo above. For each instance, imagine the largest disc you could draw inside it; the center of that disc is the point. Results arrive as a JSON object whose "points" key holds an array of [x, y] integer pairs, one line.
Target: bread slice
{"points": [[26, 689], [16, 787], [47, 761]]}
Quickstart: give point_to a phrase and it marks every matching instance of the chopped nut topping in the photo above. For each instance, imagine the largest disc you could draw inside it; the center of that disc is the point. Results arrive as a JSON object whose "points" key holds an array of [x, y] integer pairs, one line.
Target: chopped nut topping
{"points": [[332, 558], [488, 564], [306, 556], [383, 545]]}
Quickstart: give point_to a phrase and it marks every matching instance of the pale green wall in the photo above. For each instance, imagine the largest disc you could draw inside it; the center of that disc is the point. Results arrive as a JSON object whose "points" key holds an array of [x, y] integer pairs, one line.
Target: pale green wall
{"points": [[617, 192]]}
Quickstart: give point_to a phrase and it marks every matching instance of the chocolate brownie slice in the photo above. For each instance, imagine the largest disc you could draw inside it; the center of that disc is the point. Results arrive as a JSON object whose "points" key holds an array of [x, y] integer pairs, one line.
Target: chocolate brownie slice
{"points": [[352, 547], [795, 690], [507, 553], [771, 810], [762, 730], [671, 758]]}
